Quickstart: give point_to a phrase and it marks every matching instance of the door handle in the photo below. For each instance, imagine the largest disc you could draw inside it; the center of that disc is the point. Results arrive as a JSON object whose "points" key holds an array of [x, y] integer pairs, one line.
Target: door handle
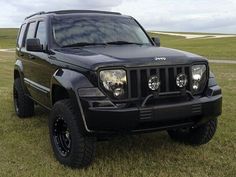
{"points": [[31, 57]]}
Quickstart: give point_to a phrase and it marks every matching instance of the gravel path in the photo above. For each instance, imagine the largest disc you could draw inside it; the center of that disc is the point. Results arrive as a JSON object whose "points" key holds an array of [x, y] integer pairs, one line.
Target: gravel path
{"points": [[193, 36], [223, 61], [7, 50]]}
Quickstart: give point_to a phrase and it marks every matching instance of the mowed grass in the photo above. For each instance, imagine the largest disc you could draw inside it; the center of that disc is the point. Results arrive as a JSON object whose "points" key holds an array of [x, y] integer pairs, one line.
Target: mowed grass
{"points": [[8, 37], [220, 48], [25, 148]]}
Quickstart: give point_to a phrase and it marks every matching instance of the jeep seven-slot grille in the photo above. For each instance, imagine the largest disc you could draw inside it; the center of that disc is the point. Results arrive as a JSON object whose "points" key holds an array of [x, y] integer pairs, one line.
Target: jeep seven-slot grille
{"points": [[138, 80]]}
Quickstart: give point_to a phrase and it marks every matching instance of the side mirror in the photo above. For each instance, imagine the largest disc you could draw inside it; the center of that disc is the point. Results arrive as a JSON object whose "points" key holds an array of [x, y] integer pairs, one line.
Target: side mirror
{"points": [[157, 41], [34, 45]]}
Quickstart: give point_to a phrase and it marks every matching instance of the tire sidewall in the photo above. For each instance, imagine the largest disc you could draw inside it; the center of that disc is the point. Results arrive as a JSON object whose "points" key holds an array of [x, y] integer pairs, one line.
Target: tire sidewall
{"points": [[15, 91], [196, 136], [69, 118], [25, 104]]}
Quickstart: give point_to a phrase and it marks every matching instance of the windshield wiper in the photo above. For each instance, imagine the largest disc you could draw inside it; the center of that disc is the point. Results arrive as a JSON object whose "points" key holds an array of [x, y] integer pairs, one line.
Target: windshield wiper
{"points": [[81, 44], [123, 43]]}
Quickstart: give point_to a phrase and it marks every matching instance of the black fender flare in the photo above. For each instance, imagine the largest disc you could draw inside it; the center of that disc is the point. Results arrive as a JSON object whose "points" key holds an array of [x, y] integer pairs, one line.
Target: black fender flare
{"points": [[20, 69], [213, 88], [212, 80], [71, 81]]}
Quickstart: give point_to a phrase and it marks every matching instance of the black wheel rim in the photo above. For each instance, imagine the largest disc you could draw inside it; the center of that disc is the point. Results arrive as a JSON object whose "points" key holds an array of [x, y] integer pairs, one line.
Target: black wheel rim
{"points": [[61, 136], [16, 100]]}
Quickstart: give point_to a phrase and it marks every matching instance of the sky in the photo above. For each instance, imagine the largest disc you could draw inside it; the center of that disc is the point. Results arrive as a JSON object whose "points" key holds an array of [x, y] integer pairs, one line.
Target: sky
{"points": [[217, 16]]}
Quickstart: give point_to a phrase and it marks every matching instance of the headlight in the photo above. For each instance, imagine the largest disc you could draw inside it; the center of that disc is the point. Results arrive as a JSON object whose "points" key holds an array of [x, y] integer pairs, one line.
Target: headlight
{"points": [[198, 77], [114, 81]]}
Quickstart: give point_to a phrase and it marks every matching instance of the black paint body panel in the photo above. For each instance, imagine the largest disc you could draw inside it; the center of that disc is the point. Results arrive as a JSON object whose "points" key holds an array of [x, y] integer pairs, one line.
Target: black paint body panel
{"points": [[77, 67]]}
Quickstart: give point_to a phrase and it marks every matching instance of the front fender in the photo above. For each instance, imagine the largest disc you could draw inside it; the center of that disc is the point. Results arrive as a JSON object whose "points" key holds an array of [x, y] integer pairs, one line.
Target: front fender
{"points": [[72, 81], [212, 81], [213, 89]]}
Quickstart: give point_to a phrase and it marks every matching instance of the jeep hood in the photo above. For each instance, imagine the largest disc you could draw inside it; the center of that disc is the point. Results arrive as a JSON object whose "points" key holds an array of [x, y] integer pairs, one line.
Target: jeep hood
{"points": [[94, 57]]}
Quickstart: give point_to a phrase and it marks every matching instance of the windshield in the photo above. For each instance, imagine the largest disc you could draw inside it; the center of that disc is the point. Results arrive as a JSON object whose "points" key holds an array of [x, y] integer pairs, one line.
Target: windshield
{"points": [[97, 30]]}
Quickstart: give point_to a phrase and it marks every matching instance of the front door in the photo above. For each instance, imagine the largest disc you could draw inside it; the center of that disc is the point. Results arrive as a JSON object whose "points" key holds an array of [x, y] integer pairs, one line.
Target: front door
{"points": [[39, 69]]}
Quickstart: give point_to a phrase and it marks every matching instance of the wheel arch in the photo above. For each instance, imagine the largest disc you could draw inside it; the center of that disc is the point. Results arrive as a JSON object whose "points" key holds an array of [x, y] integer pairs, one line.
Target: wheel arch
{"points": [[18, 70], [58, 93], [16, 74], [19, 73], [65, 84]]}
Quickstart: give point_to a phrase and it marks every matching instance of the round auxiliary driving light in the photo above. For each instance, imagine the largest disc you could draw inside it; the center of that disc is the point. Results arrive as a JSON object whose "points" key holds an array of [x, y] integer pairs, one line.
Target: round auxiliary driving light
{"points": [[154, 82], [181, 80]]}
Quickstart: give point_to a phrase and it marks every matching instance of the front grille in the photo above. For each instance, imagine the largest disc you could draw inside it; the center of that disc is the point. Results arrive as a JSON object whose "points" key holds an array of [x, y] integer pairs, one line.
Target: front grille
{"points": [[138, 80]]}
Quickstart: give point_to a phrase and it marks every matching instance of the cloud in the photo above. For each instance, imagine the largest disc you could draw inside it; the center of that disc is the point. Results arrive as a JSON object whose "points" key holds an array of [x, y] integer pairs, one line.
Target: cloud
{"points": [[13, 12], [182, 15], [169, 15]]}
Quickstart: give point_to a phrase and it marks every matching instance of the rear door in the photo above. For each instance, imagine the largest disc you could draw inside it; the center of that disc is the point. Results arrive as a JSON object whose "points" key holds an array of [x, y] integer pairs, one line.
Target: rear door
{"points": [[19, 44], [25, 56]]}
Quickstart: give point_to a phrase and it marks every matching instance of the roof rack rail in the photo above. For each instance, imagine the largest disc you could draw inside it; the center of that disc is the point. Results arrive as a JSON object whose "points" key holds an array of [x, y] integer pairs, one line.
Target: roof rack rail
{"points": [[38, 13], [83, 11], [73, 11]]}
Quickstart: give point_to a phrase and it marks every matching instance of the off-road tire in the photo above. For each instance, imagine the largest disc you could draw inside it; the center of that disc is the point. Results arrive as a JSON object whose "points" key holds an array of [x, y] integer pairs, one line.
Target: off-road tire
{"points": [[80, 152], [24, 106], [199, 135]]}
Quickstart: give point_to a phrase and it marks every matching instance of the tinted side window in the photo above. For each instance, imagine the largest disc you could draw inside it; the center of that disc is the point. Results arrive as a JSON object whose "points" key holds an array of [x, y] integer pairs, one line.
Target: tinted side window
{"points": [[41, 32], [31, 30], [21, 35]]}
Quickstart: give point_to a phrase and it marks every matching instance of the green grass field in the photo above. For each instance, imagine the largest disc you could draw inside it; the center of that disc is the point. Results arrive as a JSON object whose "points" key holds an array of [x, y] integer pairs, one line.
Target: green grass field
{"points": [[8, 37], [25, 148], [222, 48]]}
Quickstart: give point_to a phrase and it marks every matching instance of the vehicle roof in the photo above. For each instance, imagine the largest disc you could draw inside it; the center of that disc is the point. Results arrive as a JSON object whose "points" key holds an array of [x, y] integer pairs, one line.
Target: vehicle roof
{"points": [[70, 12]]}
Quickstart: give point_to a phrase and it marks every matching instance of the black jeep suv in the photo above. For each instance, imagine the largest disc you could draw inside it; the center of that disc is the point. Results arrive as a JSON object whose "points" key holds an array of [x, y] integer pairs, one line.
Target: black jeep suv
{"points": [[100, 74]]}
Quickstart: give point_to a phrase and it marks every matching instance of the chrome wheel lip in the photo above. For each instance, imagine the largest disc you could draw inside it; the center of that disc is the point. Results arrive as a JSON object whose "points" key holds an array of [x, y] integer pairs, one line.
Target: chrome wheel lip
{"points": [[61, 136]]}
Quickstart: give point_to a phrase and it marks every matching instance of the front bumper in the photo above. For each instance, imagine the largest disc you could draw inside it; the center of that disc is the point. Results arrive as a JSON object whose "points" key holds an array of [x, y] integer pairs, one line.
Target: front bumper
{"points": [[156, 117]]}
